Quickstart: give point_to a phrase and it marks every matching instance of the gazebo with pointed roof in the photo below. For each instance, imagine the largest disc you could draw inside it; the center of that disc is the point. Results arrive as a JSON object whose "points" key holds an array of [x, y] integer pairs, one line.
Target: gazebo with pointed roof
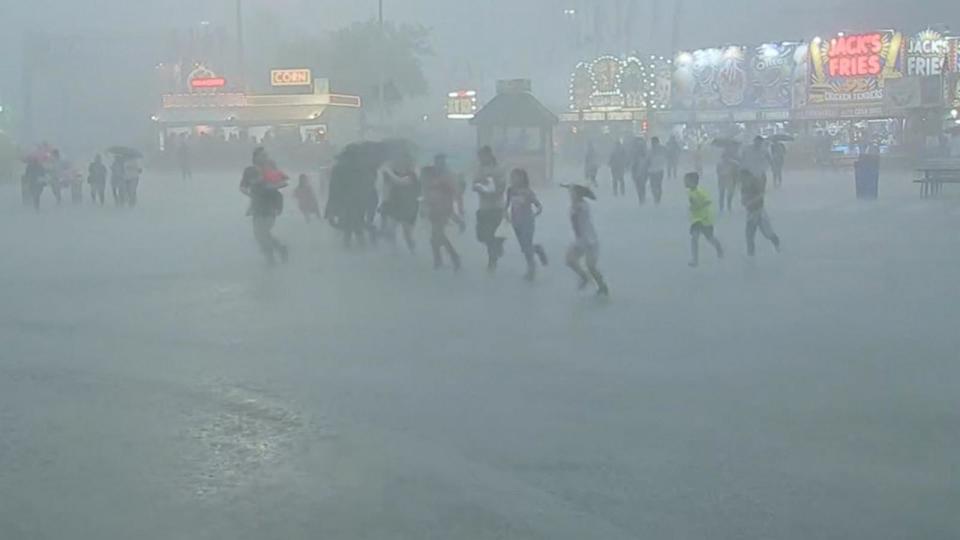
{"points": [[519, 129]]}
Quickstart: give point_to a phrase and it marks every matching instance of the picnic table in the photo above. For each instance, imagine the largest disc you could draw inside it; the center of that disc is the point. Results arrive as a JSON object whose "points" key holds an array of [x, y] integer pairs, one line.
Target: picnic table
{"points": [[932, 175]]}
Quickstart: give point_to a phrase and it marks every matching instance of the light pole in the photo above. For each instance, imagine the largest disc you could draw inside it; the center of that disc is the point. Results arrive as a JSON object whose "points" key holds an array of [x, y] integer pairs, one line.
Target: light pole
{"points": [[380, 61], [241, 58]]}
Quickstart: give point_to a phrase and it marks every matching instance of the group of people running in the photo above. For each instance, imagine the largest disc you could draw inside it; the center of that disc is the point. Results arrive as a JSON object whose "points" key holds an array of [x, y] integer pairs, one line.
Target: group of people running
{"points": [[399, 194], [739, 167], [46, 167], [374, 199]]}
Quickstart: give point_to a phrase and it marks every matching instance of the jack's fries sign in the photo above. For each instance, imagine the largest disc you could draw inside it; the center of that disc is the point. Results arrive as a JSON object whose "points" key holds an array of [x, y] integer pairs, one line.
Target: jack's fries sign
{"points": [[854, 68]]}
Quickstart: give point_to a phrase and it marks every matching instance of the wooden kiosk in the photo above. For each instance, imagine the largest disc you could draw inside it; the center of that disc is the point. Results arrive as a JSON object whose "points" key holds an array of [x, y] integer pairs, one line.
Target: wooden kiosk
{"points": [[519, 129]]}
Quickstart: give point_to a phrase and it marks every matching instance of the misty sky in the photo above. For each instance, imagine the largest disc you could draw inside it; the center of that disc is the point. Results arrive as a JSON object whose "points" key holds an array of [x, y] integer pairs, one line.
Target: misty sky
{"points": [[480, 41]]}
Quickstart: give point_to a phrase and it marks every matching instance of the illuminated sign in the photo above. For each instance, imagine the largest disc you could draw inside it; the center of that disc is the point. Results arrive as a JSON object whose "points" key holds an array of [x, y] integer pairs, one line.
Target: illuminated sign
{"points": [[855, 56], [291, 77], [207, 82], [203, 78], [609, 83], [462, 104], [854, 68], [927, 54], [711, 79]]}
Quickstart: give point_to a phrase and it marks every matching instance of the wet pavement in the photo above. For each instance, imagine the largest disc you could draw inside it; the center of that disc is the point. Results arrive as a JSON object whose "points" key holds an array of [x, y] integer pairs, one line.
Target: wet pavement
{"points": [[157, 381]]}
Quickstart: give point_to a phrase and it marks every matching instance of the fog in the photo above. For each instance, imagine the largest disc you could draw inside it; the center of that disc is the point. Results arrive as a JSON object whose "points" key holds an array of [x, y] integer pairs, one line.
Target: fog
{"points": [[164, 375]]}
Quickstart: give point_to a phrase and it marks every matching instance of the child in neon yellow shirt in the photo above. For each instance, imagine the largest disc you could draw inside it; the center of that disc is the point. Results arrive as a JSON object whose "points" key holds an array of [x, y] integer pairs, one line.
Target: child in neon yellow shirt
{"points": [[701, 218]]}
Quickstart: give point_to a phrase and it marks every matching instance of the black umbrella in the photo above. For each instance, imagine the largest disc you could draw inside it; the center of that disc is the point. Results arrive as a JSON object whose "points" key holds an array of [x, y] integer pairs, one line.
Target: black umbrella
{"points": [[125, 152], [726, 142]]}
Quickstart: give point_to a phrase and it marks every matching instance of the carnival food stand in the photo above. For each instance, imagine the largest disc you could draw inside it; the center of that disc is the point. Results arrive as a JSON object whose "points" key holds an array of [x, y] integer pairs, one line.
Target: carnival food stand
{"points": [[835, 93], [519, 129]]}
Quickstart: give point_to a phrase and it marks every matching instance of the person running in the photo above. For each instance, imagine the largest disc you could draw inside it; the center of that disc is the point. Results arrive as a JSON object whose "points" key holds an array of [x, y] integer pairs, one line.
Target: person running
{"points": [[728, 171], [778, 155], [673, 156], [266, 203], [401, 195], [97, 178], [618, 168], [306, 198], [585, 244], [489, 184], [656, 168], [753, 185], [442, 202], [639, 166], [701, 218], [523, 208], [592, 164]]}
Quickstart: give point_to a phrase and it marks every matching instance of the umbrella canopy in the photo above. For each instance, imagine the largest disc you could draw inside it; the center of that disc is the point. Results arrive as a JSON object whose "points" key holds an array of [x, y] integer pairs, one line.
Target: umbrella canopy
{"points": [[726, 142], [125, 151]]}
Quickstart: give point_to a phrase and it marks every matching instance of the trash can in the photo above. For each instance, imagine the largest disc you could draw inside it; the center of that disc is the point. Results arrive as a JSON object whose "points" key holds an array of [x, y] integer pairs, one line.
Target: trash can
{"points": [[866, 172]]}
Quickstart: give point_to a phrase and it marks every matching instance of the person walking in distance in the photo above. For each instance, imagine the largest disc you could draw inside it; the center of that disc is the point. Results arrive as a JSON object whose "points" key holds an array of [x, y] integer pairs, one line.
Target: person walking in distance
{"points": [[673, 156], [523, 208], [753, 185], [701, 218], [97, 178], [592, 164], [778, 156], [586, 245], [116, 180], [131, 179], [442, 203], [728, 171], [260, 184], [184, 159], [618, 168], [490, 186], [639, 168], [656, 168]]}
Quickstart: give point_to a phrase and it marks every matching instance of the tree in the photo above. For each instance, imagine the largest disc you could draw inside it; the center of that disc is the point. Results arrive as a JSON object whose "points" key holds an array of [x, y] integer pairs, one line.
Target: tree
{"points": [[353, 56]]}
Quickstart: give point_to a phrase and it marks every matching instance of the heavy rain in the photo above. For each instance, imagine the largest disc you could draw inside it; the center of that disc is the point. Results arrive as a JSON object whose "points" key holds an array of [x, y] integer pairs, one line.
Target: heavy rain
{"points": [[515, 269]]}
